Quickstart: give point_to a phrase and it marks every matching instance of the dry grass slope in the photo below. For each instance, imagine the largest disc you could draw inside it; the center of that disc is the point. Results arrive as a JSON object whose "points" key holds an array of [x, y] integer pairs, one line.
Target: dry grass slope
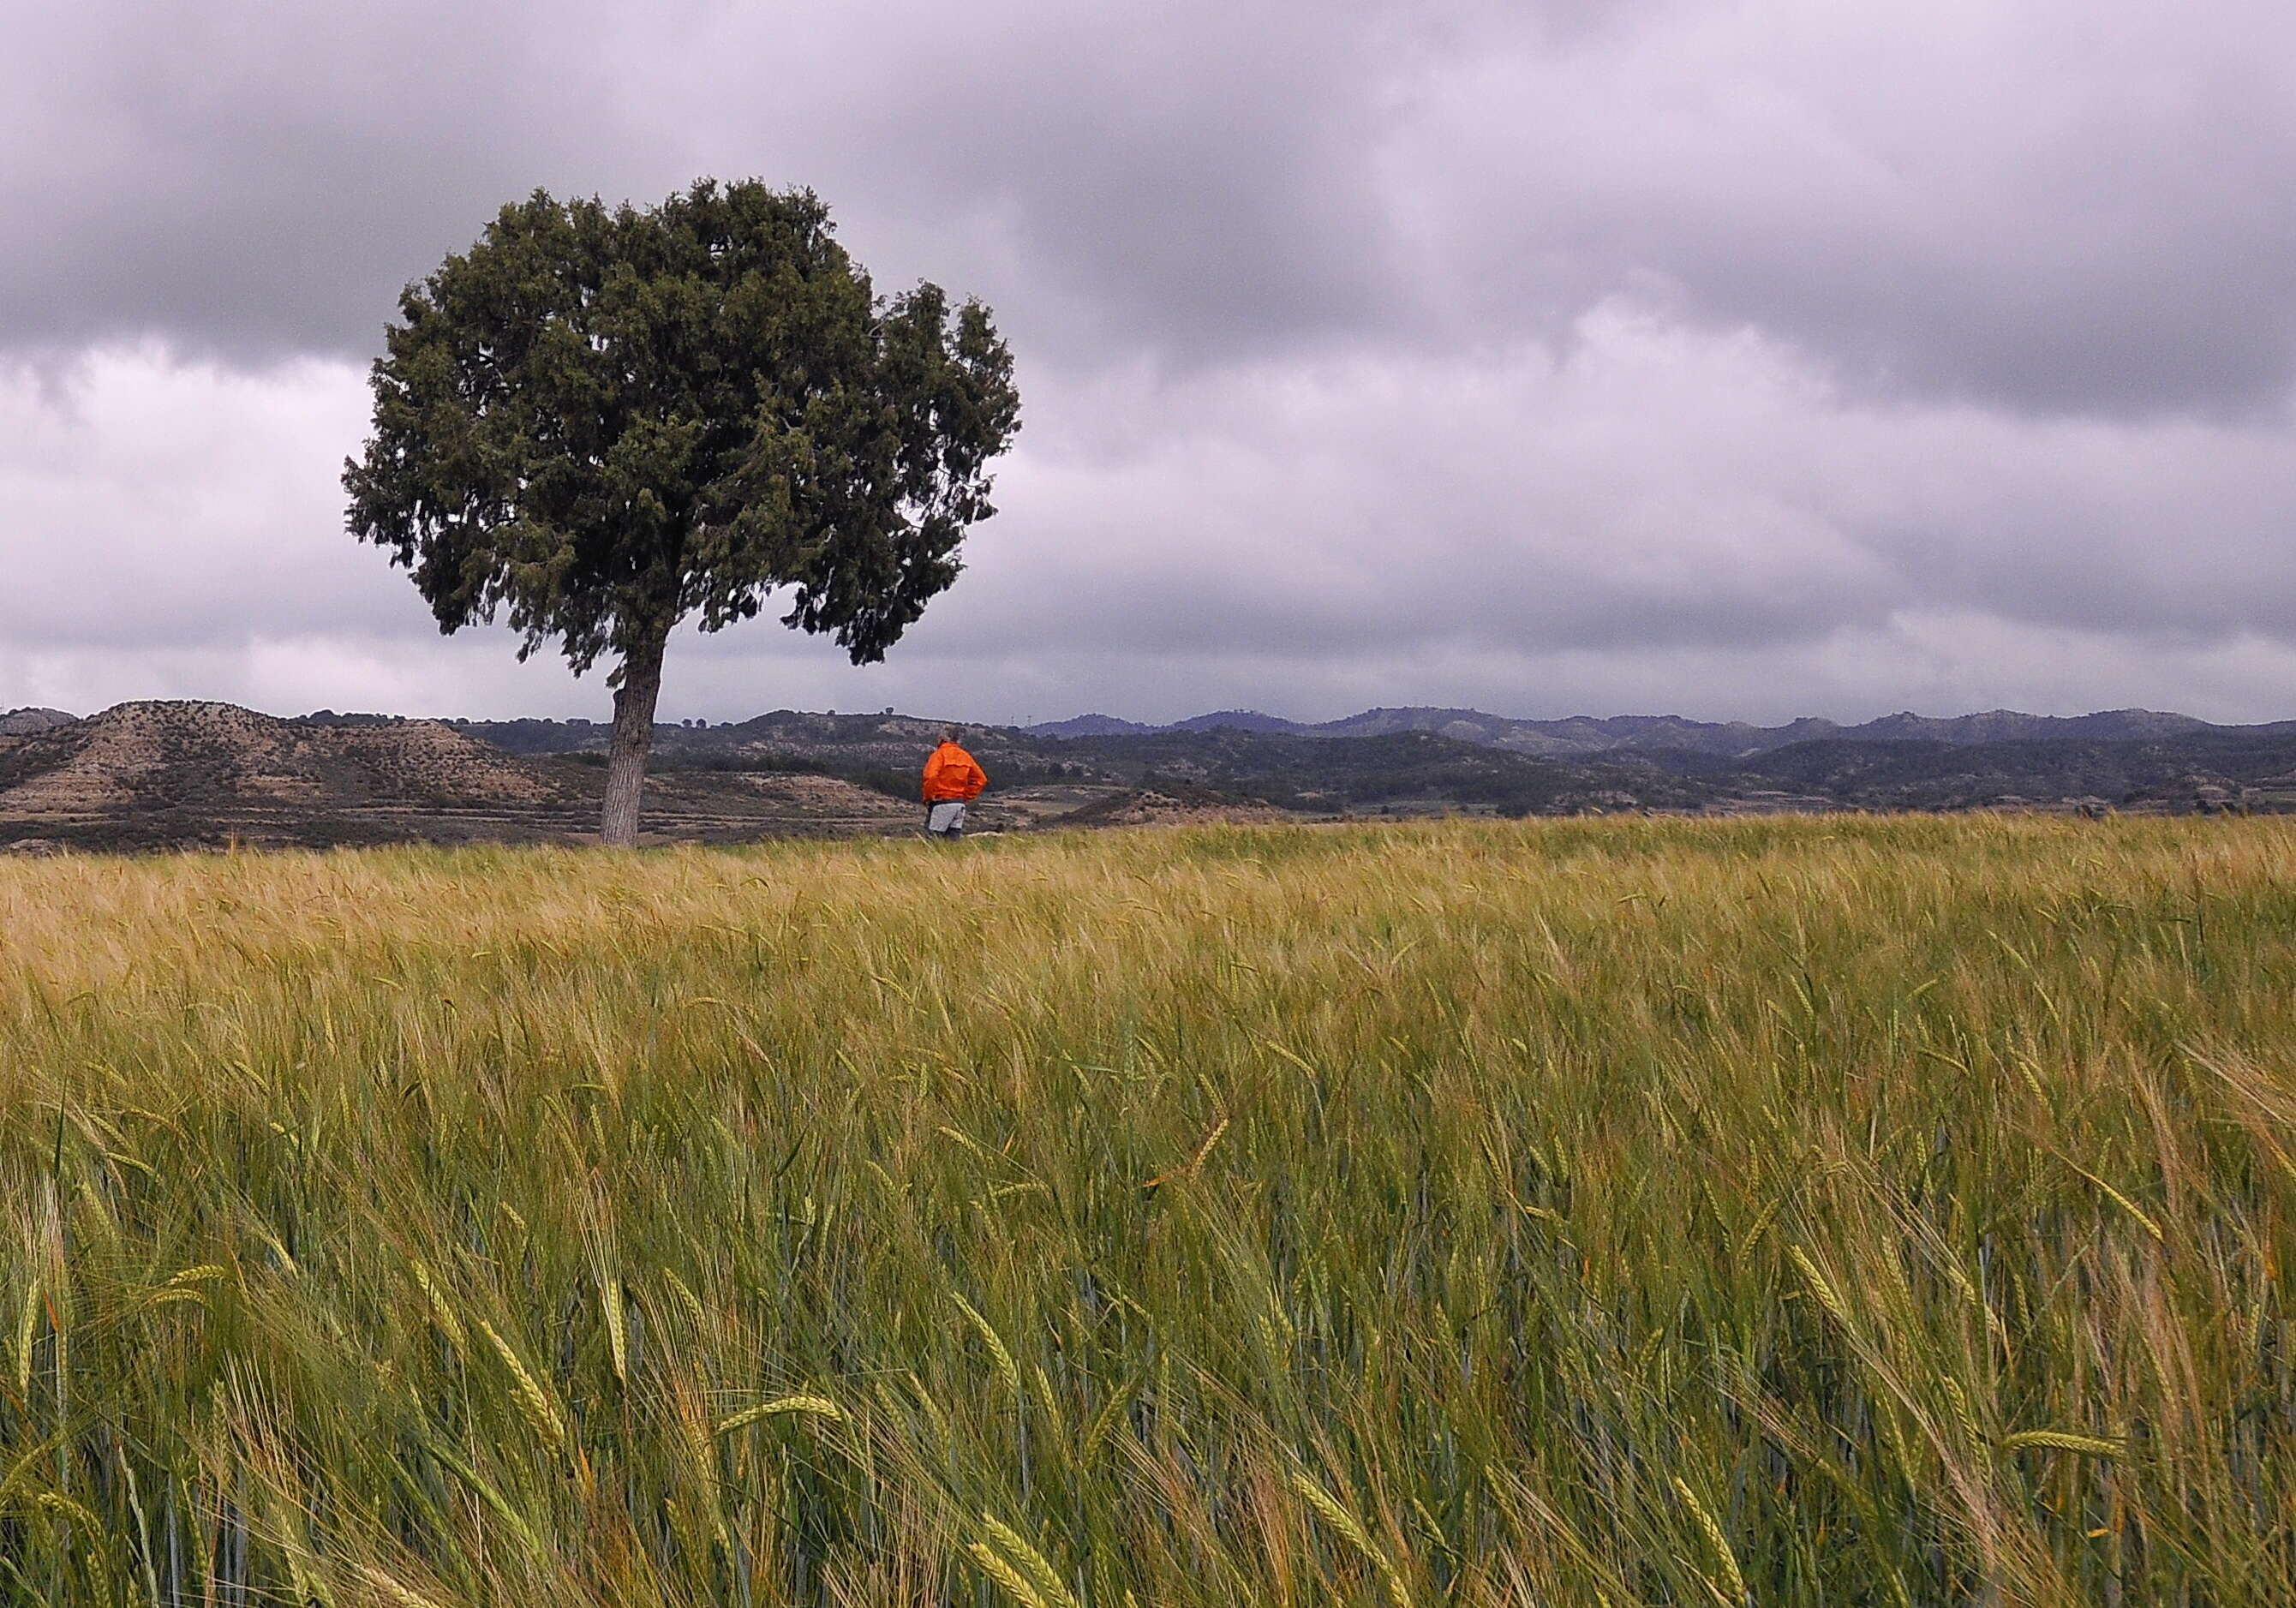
{"points": [[157, 775], [179, 753], [1627, 1213]]}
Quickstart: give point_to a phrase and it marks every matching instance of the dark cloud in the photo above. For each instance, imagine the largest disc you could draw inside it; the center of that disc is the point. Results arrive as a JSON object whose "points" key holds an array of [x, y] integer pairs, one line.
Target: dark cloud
{"points": [[254, 181], [2050, 206], [2055, 206], [259, 180]]}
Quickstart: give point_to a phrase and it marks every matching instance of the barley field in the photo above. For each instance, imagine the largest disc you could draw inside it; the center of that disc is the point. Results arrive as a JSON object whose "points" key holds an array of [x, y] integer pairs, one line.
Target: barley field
{"points": [[1888, 1211]]}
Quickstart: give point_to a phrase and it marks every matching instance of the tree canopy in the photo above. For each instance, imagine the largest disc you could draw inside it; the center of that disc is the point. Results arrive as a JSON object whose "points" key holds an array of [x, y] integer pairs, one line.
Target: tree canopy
{"points": [[599, 421]]}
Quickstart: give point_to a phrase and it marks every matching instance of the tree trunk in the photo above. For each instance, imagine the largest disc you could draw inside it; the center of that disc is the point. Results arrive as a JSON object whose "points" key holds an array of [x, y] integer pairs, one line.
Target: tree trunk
{"points": [[633, 703]]}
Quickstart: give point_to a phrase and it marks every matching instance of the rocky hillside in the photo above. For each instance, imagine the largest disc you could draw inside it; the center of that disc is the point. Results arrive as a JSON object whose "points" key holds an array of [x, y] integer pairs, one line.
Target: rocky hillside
{"points": [[184, 754], [24, 722], [178, 775]]}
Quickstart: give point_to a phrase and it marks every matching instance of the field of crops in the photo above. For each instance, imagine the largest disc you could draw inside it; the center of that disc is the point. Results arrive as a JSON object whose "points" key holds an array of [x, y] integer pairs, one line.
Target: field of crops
{"points": [[1780, 1212]]}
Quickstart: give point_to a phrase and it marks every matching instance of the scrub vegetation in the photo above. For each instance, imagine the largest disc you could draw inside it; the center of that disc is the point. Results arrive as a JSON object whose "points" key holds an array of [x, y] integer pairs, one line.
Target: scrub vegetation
{"points": [[1618, 1212]]}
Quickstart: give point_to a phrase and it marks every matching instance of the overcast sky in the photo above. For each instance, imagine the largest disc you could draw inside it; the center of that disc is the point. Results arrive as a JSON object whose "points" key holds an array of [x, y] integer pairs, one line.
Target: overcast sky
{"points": [[1739, 358]]}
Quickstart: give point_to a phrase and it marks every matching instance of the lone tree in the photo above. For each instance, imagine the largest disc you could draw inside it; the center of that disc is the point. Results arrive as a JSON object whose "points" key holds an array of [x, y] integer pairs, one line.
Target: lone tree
{"points": [[601, 420]]}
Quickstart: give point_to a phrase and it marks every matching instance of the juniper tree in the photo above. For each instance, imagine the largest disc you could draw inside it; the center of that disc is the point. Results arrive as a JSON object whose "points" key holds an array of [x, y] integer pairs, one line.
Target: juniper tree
{"points": [[599, 421]]}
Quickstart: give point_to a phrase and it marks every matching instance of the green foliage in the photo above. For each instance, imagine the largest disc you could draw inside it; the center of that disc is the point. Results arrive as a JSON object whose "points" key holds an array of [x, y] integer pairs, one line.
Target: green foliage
{"points": [[1640, 1213], [599, 421]]}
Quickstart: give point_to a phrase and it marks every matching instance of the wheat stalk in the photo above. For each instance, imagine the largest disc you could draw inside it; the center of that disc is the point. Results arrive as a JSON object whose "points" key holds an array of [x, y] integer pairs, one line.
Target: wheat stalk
{"points": [[1716, 1540], [1006, 1368], [813, 1407], [27, 1329], [1962, 1414], [1016, 1586], [1033, 1563], [443, 1315], [1820, 1287], [1339, 1518], [617, 1342], [2064, 1441], [404, 1595], [533, 1405], [1102, 1422]]}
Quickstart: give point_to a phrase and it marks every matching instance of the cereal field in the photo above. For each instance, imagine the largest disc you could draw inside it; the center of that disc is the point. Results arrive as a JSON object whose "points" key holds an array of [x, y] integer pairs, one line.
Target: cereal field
{"points": [[1624, 1211]]}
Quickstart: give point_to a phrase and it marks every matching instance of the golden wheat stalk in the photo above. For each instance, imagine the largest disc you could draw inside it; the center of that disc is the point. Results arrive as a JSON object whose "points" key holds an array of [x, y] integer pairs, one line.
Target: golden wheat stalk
{"points": [[1761, 1223], [1962, 1413], [162, 1298], [1009, 1370], [691, 1301], [993, 1564], [618, 1340], [65, 1508], [1211, 1142], [441, 1314], [533, 1405], [812, 1406], [397, 1591], [1353, 1532], [27, 1330], [2144, 1218], [1820, 1287], [1103, 1423], [1715, 1539], [2064, 1441], [1031, 1562]]}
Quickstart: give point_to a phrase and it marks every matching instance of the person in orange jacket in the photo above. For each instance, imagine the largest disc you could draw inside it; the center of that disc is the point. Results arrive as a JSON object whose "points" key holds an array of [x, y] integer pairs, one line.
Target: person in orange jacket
{"points": [[952, 779]]}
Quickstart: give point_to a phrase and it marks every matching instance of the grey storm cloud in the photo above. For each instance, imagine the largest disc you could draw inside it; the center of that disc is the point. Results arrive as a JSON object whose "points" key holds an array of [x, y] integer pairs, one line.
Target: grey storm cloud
{"points": [[259, 180], [1737, 358], [2049, 205], [255, 180]]}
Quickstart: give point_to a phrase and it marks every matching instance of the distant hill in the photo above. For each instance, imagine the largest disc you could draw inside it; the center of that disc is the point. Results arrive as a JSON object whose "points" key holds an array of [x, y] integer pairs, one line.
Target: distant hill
{"points": [[1408, 771], [24, 722], [1578, 736], [172, 774], [1246, 720], [182, 774], [1584, 734], [178, 754], [1389, 760], [2253, 768], [1089, 725]]}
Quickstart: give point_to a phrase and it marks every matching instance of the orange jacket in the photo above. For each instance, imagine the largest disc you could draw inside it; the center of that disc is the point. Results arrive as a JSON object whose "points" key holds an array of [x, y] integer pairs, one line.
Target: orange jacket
{"points": [[952, 773]]}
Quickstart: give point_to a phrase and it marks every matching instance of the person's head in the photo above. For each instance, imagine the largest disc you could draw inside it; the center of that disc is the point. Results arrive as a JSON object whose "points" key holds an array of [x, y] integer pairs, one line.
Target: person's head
{"points": [[948, 733]]}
